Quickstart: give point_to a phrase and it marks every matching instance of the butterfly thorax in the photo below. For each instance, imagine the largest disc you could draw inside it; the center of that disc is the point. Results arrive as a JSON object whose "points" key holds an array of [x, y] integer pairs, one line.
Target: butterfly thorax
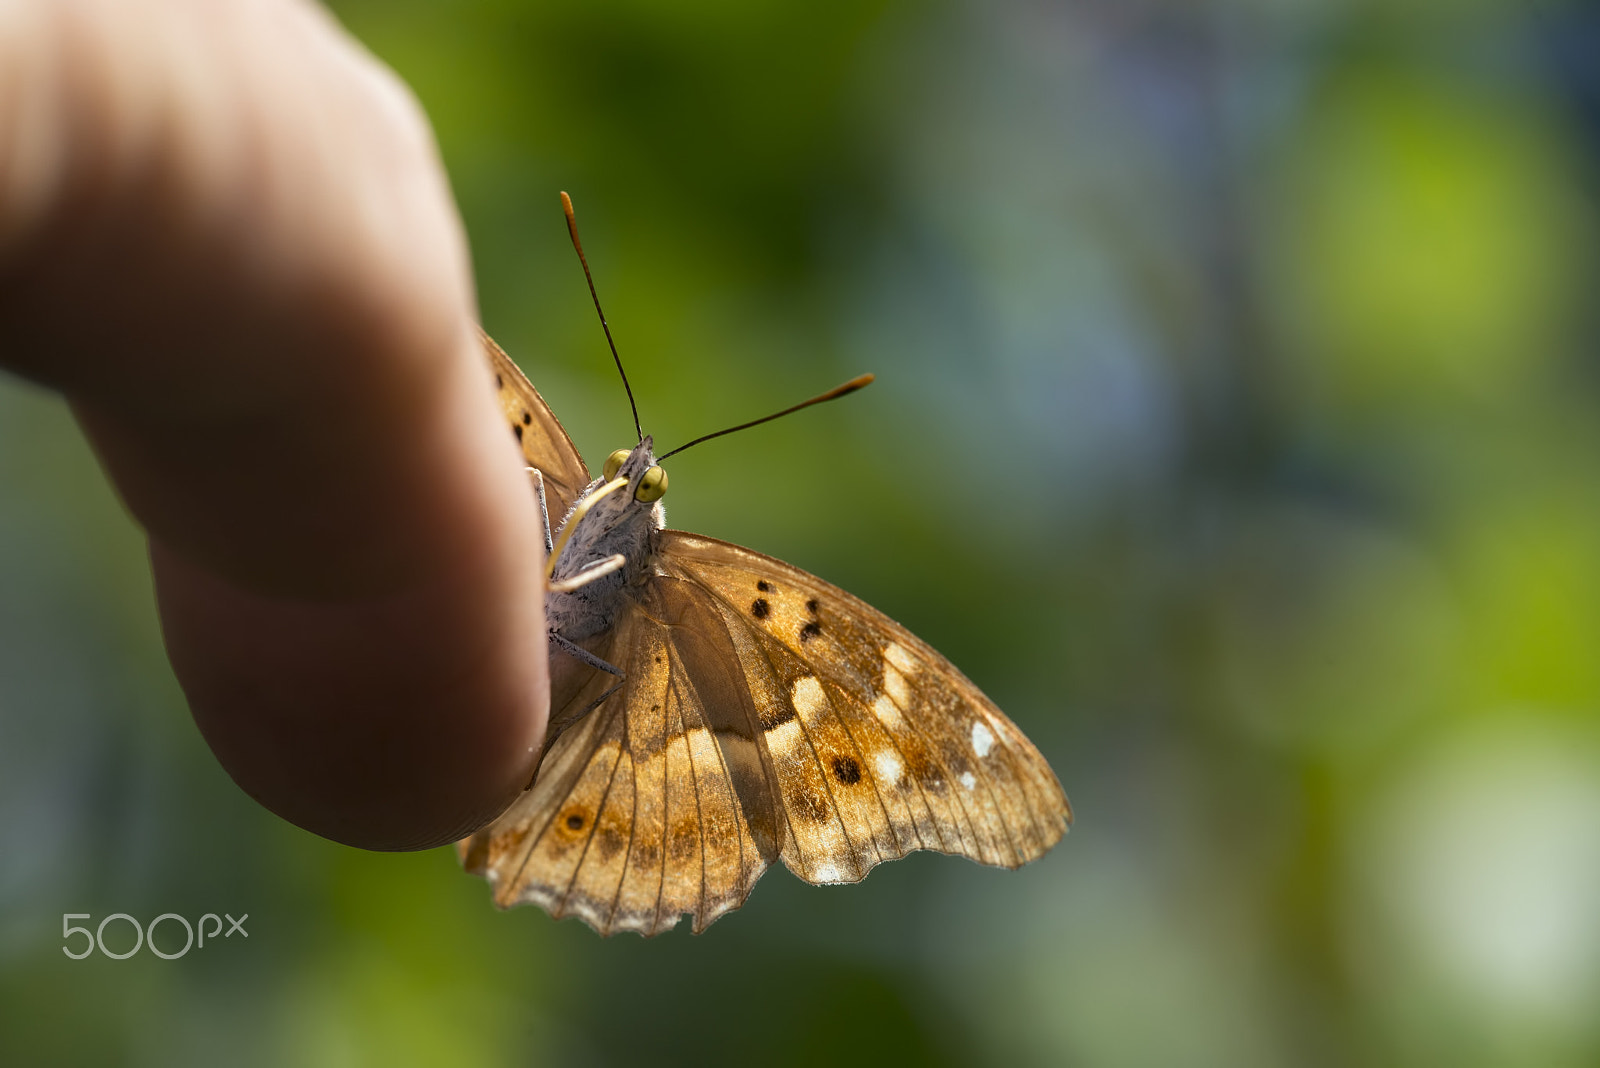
{"points": [[616, 524]]}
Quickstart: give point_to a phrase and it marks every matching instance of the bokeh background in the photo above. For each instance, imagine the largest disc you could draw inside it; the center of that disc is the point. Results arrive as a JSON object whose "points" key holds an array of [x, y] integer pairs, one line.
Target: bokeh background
{"points": [[1237, 429]]}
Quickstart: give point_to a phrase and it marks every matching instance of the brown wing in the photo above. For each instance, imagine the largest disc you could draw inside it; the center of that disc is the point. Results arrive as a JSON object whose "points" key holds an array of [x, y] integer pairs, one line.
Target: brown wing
{"points": [[656, 803], [878, 744], [544, 441]]}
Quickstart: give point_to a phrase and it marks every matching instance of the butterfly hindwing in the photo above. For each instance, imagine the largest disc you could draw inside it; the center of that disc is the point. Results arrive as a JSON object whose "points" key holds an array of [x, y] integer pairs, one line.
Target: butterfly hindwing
{"points": [[637, 815], [879, 745], [544, 442]]}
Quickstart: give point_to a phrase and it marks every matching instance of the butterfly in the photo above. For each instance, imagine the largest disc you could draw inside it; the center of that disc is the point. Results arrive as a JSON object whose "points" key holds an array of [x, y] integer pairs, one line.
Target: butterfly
{"points": [[715, 710]]}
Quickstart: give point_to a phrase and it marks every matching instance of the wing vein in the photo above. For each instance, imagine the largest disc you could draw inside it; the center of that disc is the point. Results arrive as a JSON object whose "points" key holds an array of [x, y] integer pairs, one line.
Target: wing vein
{"points": [[1023, 778], [920, 793], [668, 692], [739, 816], [699, 807], [633, 823], [936, 754], [594, 823], [838, 816], [999, 810], [866, 765], [534, 839]]}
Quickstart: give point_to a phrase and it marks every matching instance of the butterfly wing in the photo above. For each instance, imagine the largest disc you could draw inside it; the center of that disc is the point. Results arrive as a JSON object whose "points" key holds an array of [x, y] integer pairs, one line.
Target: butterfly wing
{"points": [[655, 804], [877, 744], [545, 444], [763, 713]]}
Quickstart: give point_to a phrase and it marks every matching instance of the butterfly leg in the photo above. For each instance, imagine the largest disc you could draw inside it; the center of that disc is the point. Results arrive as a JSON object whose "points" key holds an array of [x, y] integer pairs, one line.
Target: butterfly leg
{"points": [[544, 511], [578, 652]]}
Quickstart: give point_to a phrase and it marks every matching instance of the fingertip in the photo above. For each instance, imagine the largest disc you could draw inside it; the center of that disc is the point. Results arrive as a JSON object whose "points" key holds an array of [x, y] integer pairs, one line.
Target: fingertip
{"points": [[396, 723]]}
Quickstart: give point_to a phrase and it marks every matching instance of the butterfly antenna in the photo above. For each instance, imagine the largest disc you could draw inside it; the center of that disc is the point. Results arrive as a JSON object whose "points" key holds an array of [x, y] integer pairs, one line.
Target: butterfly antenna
{"points": [[572, 228], [832, 394]]}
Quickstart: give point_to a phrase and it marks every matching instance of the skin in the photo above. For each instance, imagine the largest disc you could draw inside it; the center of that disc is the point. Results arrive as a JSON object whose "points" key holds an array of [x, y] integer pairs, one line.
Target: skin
{"points": [[226, 238]]}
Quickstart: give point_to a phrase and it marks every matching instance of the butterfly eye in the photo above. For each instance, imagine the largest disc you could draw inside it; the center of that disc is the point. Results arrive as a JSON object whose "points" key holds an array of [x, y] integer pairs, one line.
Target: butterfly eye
{"points": [[652, 486], [614, 463]]}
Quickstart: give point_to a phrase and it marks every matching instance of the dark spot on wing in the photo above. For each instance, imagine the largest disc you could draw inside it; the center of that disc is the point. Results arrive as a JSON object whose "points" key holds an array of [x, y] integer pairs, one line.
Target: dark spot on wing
{"points": [[574, 822], [846, 770], [499, 383], [809, 631], [759, 608], [516, 428], [811, 606], [763, 585], [609, 841], [775, 715], [921, 766], [526, 418]]}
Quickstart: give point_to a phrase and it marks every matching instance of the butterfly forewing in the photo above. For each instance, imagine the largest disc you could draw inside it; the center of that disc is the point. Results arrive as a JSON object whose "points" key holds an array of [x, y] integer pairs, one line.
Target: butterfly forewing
{"points": [[544, 441], [880, 745]]}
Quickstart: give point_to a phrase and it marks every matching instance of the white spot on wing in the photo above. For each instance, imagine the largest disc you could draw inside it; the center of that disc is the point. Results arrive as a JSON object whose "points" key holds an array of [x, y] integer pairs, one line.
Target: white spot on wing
{"points": [[896, 654], [982, 739], [784, 737], [888, 767], [895, 683], [826, 873], [585, 910], [888, 713], [967, 780], [809, 698]]}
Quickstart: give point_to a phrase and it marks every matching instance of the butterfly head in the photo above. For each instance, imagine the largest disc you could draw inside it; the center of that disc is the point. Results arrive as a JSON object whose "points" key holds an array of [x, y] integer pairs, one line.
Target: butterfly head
{"points": [[647, 481], [626, 498]]}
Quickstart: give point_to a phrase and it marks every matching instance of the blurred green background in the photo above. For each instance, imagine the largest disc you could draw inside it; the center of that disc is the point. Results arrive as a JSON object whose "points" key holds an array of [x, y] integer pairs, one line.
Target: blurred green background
{"points": [[1237, 429]]}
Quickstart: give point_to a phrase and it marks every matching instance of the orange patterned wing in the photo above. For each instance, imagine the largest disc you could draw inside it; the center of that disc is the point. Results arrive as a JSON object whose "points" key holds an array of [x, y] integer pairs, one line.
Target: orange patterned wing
{"points": [[544, 441], [656, 803], [878, 745]]}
